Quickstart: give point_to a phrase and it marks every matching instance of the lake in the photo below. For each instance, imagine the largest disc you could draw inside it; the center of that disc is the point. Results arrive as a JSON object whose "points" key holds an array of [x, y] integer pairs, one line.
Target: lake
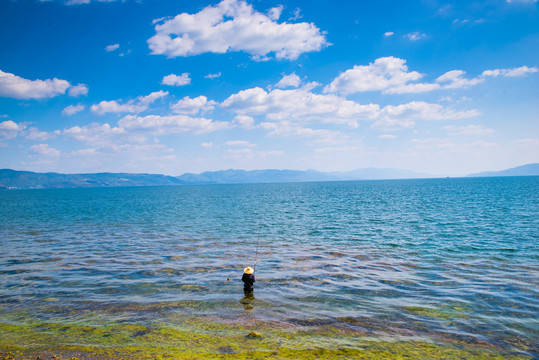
{"points": [[341, 266]]}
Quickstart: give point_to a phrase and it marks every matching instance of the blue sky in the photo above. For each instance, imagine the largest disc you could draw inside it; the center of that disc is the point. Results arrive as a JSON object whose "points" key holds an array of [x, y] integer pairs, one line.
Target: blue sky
{"points": [[441, 87]]}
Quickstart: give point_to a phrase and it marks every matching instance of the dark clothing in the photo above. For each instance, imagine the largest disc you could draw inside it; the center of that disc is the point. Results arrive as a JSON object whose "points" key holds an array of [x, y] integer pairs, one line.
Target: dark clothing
{"points": [[248, 281]]}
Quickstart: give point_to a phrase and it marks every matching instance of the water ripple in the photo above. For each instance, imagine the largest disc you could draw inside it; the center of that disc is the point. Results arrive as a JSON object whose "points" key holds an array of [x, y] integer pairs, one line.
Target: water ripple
{"points": [[448, 258]]}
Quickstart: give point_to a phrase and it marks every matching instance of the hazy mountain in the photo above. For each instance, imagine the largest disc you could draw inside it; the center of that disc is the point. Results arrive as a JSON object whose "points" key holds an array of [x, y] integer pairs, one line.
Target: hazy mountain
{"points": [[524, 170], [380, 174], [268, 176], [31, 180], [256, 176]]}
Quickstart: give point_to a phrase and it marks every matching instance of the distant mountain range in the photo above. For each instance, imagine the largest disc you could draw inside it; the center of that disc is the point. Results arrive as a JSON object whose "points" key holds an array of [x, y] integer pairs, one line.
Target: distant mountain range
{"points": [[524, 170], [255, 176], [12, 179], [270, 176]]}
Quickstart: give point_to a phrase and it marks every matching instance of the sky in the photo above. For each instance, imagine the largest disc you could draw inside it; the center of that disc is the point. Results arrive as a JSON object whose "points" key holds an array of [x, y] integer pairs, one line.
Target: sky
{"points": [[153, 86]]}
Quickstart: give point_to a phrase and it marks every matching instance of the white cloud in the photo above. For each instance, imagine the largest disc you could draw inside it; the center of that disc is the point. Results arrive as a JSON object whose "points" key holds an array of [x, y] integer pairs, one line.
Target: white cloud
{"points": [[271, 153], [520, 71], [136, 106], [426, 111], [445, 146], [468, 130], [19, 88], [522, 1], [193, 106], [454, 80], [213, 76], [83, 2], [299, 104], [10, 126], [389, 33], [114, 107], [239, 154], [459, 21], [110, 48], [84, 152], [175, 80], [94, 133], [412, 88], [10, 129], [244, 121], [310, 86], [304, 106], [387, 136], [207, 145], [275, 13], [139, 148], [468, 21], [124, 53], [385, 73], [404, 116], [288, 129], [415, 36], [291, 80], [34, 134], [148, 99], [172, 124], [233, 25], [391, 124], [296, 14], [259, 58], [44, 150], [77, 2], [73, 109], [391, 76], [80, 89], [239, 143], [158, 20], [338, 149], [120, 157], [248, 153]]}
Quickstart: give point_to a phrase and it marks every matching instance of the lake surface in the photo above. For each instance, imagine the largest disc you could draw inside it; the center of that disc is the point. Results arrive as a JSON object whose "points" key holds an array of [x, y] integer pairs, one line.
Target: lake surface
{"points": [[420, 259]]}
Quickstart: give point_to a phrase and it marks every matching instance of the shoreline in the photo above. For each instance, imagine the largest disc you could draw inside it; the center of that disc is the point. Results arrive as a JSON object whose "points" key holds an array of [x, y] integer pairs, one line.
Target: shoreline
{"points": [[373, 350], [198, 337]]}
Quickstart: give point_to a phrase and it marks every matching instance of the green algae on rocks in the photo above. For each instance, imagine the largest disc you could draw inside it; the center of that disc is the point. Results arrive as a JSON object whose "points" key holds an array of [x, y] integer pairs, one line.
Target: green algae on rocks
{"points": [[201, 339]]}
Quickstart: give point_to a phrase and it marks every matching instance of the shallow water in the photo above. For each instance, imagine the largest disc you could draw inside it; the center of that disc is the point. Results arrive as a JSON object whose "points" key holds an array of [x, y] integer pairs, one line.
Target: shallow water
{"points": [[436, 258]]}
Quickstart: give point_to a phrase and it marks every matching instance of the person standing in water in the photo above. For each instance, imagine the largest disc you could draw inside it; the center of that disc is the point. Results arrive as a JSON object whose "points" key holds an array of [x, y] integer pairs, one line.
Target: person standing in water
{"points": [[248, 279]]}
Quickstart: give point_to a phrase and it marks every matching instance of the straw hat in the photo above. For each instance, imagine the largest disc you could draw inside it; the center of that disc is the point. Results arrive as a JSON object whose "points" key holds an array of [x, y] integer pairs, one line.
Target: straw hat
{"points": [[248, 270]]}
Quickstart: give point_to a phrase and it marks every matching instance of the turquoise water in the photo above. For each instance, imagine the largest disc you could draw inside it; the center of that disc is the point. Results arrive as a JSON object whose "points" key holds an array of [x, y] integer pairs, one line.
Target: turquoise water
{"points": [[446, 258]]}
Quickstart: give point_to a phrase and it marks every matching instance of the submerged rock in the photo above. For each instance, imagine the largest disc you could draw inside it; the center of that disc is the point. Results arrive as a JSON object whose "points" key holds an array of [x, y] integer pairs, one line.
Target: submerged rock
{"points": [[254, 335]]}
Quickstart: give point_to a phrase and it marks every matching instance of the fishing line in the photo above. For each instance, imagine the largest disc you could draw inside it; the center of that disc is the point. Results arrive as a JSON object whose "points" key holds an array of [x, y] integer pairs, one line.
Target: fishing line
{"points": [[259, 225]]}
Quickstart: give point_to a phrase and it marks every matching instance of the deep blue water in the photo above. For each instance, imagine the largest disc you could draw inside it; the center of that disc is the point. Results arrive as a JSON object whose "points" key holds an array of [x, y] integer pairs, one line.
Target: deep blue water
{"points": [[370, 253]]}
